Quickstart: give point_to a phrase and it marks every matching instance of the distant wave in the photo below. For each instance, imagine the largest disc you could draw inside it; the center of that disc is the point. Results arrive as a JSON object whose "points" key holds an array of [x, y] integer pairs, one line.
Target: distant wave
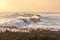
{"points": [[48, 21], [41, 22]]}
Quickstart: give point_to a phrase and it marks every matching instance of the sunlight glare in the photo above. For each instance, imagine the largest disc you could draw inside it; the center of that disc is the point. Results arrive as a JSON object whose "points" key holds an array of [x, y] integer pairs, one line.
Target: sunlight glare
{"points": [[3, 5]]}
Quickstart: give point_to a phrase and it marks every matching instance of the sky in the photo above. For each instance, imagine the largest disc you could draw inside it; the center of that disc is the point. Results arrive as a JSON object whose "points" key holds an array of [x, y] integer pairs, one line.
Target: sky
{"points": [[29, 5]]}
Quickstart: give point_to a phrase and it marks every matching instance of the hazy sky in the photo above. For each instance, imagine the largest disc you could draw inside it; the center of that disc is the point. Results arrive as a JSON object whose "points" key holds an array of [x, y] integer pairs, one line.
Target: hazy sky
{"points": [[30, 5]]}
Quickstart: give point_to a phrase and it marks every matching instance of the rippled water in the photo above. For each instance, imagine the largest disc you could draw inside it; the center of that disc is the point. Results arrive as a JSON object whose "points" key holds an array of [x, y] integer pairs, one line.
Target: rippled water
{"points": [[47, 22], [50, 20]]}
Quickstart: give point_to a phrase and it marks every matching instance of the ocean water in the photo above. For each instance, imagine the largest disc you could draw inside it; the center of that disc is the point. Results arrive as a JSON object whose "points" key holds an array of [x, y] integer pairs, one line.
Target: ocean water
{"points": [[50, 20], [47, 22]]}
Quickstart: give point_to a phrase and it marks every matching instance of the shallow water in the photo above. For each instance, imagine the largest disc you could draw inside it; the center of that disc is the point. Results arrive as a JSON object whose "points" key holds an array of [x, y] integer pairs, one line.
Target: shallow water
{"points": [[46, 21]]}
